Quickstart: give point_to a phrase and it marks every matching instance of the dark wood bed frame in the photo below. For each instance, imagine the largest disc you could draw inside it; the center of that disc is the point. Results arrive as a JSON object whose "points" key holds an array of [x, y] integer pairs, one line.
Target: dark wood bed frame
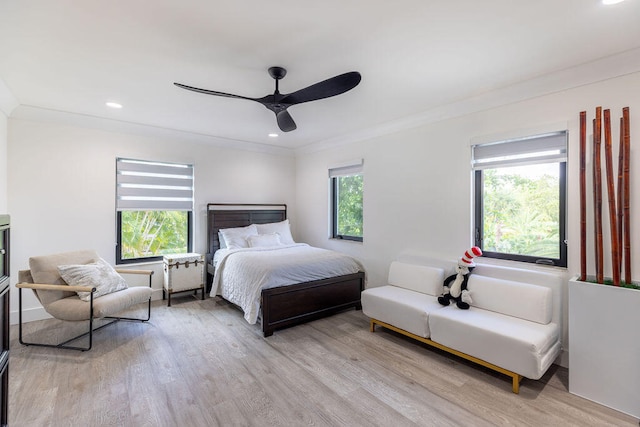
{"points": [[286, 305]]}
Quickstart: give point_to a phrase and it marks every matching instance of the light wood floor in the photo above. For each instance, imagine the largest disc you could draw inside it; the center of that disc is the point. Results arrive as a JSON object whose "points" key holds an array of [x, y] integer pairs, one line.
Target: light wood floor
{"points": [[199, 363]]}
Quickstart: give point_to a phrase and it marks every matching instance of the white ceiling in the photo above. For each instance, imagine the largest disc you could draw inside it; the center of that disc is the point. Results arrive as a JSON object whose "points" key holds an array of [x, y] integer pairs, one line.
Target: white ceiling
{"points": [[415, 56]]}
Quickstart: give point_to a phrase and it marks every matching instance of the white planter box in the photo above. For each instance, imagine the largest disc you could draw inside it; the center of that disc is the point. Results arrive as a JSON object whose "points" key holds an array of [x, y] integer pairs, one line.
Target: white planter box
{"points": [[604, 345]]}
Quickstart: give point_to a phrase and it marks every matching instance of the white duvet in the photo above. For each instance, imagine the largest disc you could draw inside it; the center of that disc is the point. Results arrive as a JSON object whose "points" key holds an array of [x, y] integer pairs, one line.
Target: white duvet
{"points": [[241, 274]]}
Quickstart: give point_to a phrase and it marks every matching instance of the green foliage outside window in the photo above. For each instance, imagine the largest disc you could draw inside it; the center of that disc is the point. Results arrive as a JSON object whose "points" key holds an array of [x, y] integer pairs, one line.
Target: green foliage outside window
{"points": [[153, 233], [521, 212], [349, 206]]}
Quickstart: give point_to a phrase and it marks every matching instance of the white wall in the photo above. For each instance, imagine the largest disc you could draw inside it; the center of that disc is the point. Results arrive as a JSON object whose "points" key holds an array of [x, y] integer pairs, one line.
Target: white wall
{"points": [[418, 187], [62, 188], [7, 104], [3, 163]]}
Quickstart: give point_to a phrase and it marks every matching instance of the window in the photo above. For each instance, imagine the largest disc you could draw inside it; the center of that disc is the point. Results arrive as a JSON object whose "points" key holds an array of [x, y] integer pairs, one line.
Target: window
{"points": [[520, 199], [346, 201], [154, 203]]}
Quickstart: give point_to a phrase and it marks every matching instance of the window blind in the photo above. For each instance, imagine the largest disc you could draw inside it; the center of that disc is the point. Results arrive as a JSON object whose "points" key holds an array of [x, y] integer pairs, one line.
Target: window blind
{"points": [[546, 148], [350, 168], [142, 185]]}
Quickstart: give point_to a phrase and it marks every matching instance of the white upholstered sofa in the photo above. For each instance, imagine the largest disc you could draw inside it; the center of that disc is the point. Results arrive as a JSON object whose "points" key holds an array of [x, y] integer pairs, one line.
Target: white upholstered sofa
{"points": [[513, 325]]}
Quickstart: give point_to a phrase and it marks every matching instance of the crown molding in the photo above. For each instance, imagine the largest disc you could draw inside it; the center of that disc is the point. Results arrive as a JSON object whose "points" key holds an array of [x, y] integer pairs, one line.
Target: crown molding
{"points": [[618, 65], [28, 112]]}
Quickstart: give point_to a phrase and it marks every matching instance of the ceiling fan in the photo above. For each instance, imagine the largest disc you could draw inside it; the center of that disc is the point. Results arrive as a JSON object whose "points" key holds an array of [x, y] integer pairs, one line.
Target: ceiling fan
{"points": [[278, 102]]}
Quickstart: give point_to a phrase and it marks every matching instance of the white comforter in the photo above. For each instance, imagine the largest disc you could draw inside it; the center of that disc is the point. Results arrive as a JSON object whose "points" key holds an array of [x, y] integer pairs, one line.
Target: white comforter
{"points": [[241, 274]]}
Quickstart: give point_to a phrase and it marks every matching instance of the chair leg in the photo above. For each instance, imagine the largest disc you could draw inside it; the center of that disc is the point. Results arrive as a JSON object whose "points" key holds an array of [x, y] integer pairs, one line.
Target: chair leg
{"points": [[89, 332], [133, 319], [62, 344]]}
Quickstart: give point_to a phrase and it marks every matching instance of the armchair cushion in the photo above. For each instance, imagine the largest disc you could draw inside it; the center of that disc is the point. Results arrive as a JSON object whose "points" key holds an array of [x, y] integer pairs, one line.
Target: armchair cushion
{"points": [[99, 275], [72, 308]]}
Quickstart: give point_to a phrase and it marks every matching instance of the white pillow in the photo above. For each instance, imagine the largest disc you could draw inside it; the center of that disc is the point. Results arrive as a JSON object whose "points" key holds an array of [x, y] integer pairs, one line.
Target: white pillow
{"points": [[236, 238], [264, 240], [221, 241], [99, 275], [282, 228], [517, 299], [419, 278]]}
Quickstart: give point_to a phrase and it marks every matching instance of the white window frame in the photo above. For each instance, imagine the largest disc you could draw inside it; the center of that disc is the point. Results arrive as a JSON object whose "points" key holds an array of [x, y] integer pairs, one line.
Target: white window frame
{"points": [[351, 168], [549, 147]]}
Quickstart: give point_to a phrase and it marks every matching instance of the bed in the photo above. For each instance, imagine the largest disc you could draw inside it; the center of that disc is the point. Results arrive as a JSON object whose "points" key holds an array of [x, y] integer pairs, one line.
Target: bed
{"points": [[280, 306]]}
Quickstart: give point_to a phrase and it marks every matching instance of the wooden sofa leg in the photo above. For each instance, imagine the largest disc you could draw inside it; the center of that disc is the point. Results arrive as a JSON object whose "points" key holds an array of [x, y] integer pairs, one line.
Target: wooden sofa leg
{"points": [[372, 326], [516, 383]]}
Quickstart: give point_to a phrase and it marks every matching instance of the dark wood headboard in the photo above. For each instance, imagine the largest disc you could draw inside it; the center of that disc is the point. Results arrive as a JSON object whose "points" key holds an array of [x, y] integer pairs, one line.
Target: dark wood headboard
{"points": [[228, 215]]}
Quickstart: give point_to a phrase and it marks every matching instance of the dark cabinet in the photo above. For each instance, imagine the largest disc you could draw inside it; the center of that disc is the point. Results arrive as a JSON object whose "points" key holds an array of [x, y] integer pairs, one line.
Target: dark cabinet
{"points": [[4, 317]]}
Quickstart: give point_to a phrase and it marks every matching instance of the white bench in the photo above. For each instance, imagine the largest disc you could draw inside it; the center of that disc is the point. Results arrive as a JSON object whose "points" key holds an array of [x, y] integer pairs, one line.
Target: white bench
{"points": [[513, 325]]}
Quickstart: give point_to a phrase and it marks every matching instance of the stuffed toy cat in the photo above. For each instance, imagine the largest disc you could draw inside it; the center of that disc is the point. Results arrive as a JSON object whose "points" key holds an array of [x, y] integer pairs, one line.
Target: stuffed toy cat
{"points": [[455, 286]]}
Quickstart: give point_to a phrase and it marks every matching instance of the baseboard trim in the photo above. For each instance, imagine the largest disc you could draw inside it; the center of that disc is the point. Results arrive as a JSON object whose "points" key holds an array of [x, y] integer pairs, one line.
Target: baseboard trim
{"points": [[563, 359], [29, 315]]}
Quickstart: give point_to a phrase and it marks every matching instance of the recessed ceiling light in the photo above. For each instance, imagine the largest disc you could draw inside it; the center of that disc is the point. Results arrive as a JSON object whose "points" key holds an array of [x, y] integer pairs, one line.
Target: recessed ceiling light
{"points": [[113, 105], [273, 135], [609, 2]]}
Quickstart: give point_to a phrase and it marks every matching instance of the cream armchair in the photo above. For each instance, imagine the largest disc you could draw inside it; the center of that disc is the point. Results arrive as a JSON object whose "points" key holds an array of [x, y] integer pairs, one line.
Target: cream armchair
{"points": [[99, 294]]}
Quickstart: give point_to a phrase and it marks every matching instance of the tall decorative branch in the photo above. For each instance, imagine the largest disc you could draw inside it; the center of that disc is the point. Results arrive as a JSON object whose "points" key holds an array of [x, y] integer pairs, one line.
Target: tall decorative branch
{"points": [[583, 196], [626, 130], [620, 192], [611, 196], [597, 194]]}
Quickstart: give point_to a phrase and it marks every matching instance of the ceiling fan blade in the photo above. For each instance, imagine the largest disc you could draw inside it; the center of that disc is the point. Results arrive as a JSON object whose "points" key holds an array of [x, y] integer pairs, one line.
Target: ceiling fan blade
{"points": [[324, 89], [278, 103], [285, 121], [213, 92]]}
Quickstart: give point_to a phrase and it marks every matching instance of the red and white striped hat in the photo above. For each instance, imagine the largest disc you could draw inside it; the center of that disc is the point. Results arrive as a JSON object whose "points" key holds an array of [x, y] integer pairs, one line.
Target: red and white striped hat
{"points": [[469, 255]]}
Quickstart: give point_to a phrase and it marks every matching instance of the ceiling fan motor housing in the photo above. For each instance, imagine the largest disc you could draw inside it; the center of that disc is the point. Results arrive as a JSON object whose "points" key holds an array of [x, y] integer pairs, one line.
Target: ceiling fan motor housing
{"points": [[277, 72]]}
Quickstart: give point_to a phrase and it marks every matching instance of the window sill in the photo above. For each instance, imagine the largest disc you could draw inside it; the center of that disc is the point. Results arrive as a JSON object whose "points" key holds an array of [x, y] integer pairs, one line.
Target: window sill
{"points": [[138, 264], [335, 239], [520, 264]]}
